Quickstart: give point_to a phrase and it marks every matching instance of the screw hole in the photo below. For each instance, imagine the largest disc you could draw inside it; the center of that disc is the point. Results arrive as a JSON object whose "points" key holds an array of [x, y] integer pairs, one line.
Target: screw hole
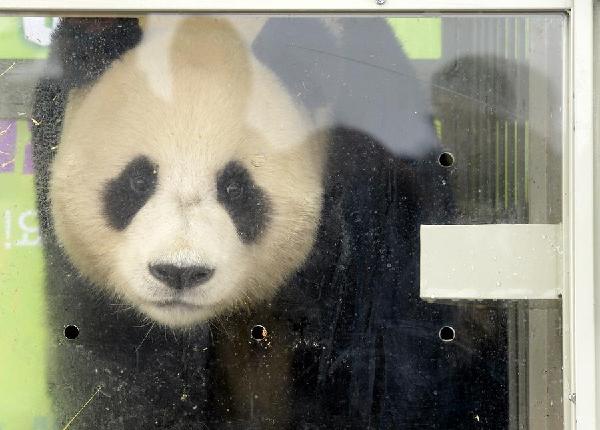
{"points": [[258, 332], [71, 331], [447, 334], [446, 159]]}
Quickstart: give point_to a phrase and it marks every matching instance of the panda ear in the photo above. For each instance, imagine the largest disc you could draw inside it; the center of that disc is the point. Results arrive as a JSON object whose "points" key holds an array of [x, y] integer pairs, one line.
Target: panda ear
{"points": [[83, 48]]}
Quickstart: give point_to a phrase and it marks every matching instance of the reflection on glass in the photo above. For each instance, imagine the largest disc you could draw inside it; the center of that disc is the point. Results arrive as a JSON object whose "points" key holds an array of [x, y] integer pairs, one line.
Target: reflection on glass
{"points": [[230, 212]]}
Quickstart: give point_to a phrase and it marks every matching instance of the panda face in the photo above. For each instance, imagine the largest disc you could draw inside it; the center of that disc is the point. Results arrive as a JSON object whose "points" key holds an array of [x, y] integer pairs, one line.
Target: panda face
{"points": [[193, 200], [198, 249]]}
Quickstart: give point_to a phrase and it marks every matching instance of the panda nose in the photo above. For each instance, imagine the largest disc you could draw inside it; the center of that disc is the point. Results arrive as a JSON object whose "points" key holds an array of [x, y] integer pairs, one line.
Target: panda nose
{"points": [[181, 277]]}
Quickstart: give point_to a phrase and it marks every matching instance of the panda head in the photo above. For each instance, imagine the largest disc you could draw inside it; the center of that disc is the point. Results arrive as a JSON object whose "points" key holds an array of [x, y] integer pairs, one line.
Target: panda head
{"points": [[186, 181]]}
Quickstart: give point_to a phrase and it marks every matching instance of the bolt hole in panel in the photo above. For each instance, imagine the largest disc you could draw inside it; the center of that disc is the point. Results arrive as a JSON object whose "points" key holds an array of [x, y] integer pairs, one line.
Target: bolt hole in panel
{"points": [[71, 332], [281, 222], [446, 159], [447, 334]]}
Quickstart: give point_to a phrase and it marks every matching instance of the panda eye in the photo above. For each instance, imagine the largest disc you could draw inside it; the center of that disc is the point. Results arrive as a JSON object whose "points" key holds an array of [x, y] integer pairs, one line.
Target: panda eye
{"points": [[142, 178], [234, 190], [140, 184]]}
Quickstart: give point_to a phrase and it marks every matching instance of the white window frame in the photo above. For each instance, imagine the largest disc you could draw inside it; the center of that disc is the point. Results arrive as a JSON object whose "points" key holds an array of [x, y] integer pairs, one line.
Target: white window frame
{"points": [[581, 398]]}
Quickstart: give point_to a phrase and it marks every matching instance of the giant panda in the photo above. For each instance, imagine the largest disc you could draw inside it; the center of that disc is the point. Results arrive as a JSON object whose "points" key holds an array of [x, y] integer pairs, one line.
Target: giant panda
{"points": [[230, 210]]}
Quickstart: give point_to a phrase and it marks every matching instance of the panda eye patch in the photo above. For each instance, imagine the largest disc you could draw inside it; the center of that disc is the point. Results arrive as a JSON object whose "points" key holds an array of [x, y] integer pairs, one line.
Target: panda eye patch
{"points": [[247, 204], [127, 193]]}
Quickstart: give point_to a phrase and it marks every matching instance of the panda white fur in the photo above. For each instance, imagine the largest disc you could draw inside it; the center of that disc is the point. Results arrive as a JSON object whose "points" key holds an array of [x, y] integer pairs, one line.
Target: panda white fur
{"points": [[196, 177]]}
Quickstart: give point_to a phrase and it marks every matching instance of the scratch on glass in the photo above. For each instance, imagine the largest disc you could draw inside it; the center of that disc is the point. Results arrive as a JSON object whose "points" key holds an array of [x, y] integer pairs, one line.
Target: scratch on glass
{"points": [[137, 348], [3, 165], [9, 68], [3, 132], [82, 408]]}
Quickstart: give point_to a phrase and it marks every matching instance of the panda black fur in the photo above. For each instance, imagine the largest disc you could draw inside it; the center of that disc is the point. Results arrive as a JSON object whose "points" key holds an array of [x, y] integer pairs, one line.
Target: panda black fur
{"points": [[350, 344]]}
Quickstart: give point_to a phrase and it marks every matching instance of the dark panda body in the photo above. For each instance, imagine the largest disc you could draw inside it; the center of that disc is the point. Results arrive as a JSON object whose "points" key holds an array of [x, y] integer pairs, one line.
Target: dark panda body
{"points": [[350, 344]]}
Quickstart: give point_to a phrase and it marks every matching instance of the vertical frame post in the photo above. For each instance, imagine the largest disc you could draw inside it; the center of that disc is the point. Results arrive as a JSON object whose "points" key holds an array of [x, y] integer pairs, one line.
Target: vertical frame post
{"points": [[582, 221]]}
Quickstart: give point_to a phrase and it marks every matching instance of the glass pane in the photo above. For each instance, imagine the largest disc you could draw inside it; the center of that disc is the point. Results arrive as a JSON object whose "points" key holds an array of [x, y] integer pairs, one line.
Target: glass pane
{"points": [[214, 221]]}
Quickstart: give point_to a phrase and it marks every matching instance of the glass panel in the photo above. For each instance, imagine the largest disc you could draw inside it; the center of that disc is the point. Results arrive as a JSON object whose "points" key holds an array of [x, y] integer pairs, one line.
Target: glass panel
{"points": [[214, 222]]}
